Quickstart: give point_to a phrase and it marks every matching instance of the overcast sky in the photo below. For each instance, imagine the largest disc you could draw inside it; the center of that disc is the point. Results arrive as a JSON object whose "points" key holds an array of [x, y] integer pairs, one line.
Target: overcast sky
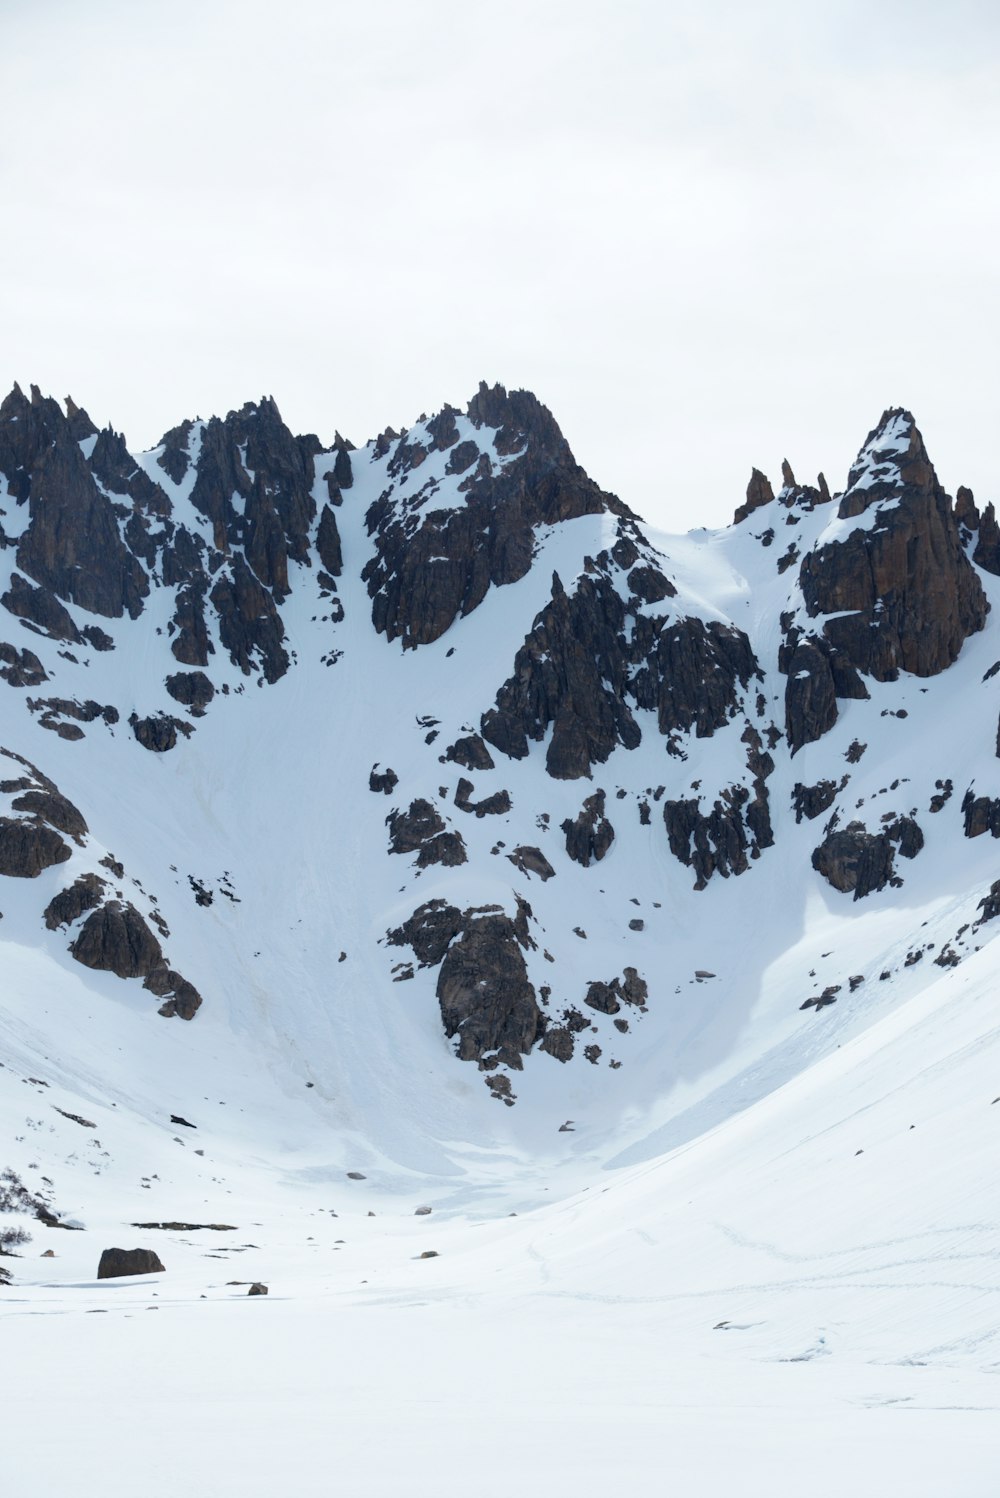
{"points": [[708, 235]]}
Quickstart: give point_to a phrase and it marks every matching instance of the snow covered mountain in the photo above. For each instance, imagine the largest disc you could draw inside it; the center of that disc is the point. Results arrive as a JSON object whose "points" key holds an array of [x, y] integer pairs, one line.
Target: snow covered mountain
{"points": [[351, 792]]}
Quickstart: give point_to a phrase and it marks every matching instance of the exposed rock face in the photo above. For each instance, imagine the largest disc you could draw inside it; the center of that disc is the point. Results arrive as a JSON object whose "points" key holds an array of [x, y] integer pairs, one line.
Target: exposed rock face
{"points": [[159, 733], [589, 835], [495, 805], [383, 781], [759, 492], [471, 753], [483, 989], [421, 830], [898, 589], [20, 668], [26, 848], [40, 609], [117, 1262], [72, 545], [532, 861], [192, 689], [811, 801], [47, 805], [430, 566], [858, 860], [429, 931], [115, 939], [85, 893], [608, 998], [981, 814], [712, 842], [250, 626], [571, 673], [180, 997], [586, 664]]}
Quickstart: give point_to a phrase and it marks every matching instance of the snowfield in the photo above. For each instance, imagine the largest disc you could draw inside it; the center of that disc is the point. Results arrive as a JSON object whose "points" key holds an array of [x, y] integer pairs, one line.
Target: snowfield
{"points": [[752, 1249]]}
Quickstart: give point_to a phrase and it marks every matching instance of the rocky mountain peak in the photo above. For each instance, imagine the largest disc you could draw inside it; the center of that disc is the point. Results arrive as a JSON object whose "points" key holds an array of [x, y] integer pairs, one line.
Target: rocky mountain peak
{"points": [[892, 463]]}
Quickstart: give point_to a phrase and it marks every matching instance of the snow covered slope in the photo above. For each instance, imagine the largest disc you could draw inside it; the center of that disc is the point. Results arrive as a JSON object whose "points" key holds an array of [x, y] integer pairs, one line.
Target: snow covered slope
{"points": [[411, 812]]}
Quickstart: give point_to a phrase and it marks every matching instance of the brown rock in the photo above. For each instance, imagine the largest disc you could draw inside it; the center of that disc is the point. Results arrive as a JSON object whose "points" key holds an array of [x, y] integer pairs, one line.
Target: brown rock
{"points": [[759, 493], [116, 939], [70, 904], [118, 1262], [26, 848], [532, 861], [589, 835], [483, 989]]}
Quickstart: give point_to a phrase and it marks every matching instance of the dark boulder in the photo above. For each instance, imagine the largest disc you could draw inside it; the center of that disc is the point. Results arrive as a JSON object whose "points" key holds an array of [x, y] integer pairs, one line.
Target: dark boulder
{"points": [[863, 862], [470, 752], [158, 733], [382, 781], [118, 1262], [191, 689], [115, 939], [532, 861]]}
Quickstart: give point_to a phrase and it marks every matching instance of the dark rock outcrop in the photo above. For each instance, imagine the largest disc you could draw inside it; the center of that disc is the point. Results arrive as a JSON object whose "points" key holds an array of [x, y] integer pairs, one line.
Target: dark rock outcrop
{"points": [[980, 814], [421, 830], [250, 626], [433, 565], [180, 997], [383, 781], [20, 668], [429, 931], [470, 752], [47, 805], [811, 801], [759, 492], [486, 998], [118, 1262], [496, 805], [72, 545], [115, 939], [191, 689], [159, 733], [608, 998], [40, 610], [483, 989], [899, 591], [861, 861], [85, 893], [26, 848], [588, 661], [589, 834], [532, 861]]}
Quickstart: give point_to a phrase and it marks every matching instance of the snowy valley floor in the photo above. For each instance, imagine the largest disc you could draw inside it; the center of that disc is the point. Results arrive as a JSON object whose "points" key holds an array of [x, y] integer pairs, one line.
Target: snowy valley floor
{"points": [[802, 1300]]}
